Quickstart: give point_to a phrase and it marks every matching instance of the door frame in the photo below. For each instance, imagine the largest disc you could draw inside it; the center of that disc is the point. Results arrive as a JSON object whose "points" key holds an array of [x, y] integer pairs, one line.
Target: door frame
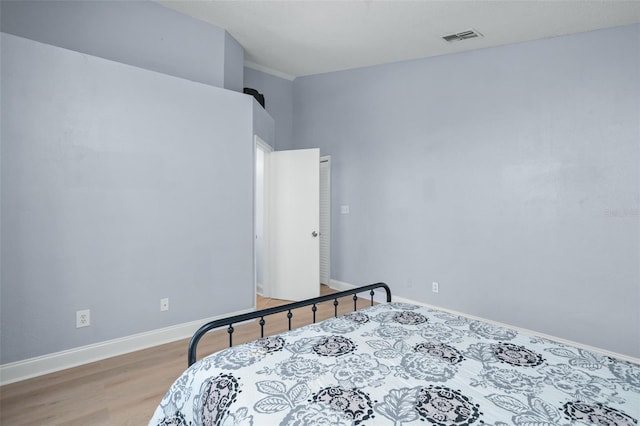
{"points": [[261, 145]]}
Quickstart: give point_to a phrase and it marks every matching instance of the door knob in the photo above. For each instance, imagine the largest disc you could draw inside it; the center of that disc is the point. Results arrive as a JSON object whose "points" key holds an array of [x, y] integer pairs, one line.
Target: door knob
{"points": [[314, 234]]}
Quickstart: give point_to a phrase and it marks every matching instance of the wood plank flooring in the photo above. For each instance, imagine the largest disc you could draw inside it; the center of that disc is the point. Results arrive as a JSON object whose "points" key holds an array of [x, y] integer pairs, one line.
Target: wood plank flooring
{"points": [[126, 389]]}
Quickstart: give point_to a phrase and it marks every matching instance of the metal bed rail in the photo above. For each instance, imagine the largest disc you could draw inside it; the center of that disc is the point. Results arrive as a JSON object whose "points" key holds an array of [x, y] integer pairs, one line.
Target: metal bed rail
{"points": [[191, 355]]}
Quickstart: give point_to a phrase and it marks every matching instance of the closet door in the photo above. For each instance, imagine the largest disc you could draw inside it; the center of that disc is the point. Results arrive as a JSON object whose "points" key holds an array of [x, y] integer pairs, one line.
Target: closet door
{"points": [[325, 220]]}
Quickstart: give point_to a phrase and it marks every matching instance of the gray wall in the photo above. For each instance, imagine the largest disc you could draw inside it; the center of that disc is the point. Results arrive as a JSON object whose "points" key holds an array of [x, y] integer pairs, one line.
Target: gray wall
{"points": [[278, 93], [263, 123], [509, 175], [140, 33], [233, 64], [120, 186]]}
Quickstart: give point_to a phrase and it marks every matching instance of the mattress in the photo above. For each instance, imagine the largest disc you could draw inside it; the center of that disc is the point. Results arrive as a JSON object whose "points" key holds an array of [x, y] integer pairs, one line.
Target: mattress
{"points": [[397, 364]]}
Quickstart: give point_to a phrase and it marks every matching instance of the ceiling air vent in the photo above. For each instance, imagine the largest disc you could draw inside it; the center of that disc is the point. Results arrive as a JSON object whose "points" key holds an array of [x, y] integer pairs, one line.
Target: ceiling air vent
{"points": [[462, 35]]}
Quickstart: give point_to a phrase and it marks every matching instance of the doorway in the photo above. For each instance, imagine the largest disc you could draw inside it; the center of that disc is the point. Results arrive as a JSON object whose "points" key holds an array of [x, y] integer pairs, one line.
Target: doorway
{"points": [[266, 265]]}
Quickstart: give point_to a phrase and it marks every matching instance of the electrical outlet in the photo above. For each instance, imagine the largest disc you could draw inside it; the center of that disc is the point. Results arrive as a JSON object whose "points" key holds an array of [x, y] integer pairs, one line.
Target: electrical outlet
{"points": [[435, 287], [164, 304], [83, 318]]}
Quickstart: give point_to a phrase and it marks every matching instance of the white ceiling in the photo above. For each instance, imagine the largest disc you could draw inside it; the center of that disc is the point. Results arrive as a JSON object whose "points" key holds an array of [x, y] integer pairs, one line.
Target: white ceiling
{"points": [[298, 38]]}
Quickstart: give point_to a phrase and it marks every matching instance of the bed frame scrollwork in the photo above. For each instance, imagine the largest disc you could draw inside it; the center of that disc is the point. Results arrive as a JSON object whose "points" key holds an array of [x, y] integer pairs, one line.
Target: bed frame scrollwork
{"points": [[230, 321]]}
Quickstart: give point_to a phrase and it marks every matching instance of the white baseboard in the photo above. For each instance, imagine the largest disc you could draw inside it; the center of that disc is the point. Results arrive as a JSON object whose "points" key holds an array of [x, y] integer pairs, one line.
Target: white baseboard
{"points": [[381, 298], [340, 286], [50, 363]]}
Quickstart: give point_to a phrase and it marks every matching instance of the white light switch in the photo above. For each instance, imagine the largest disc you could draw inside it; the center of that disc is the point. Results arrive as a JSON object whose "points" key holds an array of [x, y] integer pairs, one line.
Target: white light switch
{"points": [[344, 209]]}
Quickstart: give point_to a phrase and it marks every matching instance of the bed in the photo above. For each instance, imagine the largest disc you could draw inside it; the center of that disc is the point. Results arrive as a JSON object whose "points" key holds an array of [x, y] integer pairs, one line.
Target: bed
{"points": [[397, 364]]}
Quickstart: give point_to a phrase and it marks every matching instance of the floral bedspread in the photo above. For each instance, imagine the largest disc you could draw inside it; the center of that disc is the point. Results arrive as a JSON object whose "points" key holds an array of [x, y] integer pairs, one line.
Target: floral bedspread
{"points": [[396, 364]]}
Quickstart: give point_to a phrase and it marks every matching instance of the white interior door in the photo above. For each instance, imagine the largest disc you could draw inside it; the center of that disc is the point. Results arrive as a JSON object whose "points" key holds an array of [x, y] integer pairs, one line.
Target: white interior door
{"points": [[294, 211]]}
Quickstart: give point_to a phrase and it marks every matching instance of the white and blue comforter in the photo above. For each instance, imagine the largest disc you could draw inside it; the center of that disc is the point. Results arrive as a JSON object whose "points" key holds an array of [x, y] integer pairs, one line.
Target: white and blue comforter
{"points": [[397, 364]]}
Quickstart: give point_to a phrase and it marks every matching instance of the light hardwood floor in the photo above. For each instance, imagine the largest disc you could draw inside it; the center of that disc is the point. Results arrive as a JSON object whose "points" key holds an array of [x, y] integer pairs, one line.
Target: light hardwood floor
{"points": [[125, 390]]}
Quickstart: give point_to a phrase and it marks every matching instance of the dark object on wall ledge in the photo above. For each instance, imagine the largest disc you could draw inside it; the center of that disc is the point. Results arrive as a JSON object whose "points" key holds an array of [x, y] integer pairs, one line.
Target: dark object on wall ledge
{"points": [[253, 92]]}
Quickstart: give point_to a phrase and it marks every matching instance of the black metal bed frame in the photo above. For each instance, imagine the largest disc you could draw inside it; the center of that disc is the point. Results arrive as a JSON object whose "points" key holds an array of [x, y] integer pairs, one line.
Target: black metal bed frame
{"points": [[191, 355]]}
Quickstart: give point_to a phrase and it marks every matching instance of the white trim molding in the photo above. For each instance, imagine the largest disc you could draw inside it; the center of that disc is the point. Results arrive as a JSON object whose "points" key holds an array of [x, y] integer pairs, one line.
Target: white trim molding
{"points": [[380, 297], [271, 71], [340, 286], [50, 363]]}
